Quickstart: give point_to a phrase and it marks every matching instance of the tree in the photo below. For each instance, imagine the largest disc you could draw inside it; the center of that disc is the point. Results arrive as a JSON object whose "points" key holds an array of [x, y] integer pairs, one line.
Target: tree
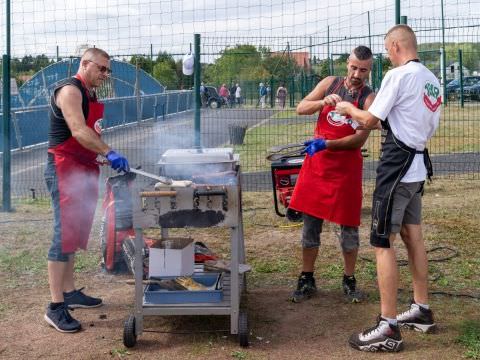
{"points": [[165, 74], [144, 63], [243, 62], [280, 66]]}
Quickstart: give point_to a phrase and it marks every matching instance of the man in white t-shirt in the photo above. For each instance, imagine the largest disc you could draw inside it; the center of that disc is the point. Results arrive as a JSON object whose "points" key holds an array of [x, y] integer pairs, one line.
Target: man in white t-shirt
{"points": [[410, 98]]}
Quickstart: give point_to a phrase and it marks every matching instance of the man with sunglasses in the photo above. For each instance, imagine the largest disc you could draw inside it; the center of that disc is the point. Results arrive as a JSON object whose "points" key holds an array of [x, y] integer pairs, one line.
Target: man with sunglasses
{"points": [[72, 179]]}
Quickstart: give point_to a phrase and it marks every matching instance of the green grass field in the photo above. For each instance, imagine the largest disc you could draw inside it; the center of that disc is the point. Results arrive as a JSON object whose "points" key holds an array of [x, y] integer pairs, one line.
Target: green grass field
{"points": [[458, 132]]}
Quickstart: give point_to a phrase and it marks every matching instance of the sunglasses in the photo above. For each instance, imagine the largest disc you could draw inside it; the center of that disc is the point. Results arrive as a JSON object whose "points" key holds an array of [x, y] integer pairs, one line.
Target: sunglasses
{"points": [[101, 68]]}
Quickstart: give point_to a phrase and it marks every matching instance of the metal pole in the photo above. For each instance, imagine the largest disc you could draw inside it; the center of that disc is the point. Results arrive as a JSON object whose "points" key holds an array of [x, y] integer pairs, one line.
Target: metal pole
{"points": [[403, 20], [310, 56], [6, 189], [330, 67], [460, 69], [444, 58], [397, 12], [58, 55], [137, 90], [369, 31], [196, 86], [151, 58]]}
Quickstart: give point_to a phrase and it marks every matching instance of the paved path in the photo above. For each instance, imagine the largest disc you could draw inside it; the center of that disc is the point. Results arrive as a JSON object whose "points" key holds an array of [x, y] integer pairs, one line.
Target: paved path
{"points": [[144, 143]]}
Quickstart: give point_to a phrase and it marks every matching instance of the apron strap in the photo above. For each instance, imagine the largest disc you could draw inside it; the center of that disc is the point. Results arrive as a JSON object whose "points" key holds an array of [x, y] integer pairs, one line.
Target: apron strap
{"points": [[427, 161], [428, 164]]}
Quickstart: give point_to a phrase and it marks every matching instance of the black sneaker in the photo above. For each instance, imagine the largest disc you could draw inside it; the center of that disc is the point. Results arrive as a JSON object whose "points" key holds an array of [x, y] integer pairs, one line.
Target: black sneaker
{"points": [[77, 299], [61, 319], [306, 288], [417, 318], [349, 285], [381, 337]]}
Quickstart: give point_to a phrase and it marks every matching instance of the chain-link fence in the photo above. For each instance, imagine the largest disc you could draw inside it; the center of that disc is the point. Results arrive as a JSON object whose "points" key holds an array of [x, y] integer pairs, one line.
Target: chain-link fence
{"points": [[284, 48]]}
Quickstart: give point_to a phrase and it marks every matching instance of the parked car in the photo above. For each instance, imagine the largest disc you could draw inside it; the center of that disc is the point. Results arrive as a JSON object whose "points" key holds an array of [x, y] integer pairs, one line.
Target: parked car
{"points": [[454, 85], [214, 100], [471, 92]]}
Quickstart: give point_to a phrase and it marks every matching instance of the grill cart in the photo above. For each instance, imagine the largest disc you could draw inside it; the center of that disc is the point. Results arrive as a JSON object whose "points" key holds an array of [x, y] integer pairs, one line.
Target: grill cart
{"points": [[213, 200]]}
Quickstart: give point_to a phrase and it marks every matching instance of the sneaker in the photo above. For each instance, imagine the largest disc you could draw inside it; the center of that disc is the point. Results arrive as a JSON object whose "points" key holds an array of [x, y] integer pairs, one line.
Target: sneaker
{"points": [[417, 318], [349, 285], [306, 288], [77, 299], [381, 337], [61, 319]]}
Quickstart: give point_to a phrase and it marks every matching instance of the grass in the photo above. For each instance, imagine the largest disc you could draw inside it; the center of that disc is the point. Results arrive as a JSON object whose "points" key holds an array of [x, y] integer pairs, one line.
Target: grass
{"points": [[470, 338], [458, 132], [23, 267]]}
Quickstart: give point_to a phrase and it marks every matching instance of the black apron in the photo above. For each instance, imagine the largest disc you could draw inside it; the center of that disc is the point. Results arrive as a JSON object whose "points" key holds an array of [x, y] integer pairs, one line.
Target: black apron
{"points": [[395, 160]]}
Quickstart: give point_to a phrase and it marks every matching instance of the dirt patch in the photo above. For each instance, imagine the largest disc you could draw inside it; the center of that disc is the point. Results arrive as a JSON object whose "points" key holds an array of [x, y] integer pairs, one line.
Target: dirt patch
{"points": [[317, 329]]}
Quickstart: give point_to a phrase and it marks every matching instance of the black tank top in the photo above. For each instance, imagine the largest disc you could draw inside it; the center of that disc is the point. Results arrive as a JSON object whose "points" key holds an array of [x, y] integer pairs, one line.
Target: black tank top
{"points": [[59, 131], [346, 95]]}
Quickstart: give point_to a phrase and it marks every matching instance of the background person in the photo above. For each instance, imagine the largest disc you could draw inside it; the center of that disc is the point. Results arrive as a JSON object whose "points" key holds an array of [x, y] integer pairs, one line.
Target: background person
{"points": [[329, 186], [233, 91], [71, 176], [223, 92], [262, 95], [238, 95], [282, 95], [410, 97]]}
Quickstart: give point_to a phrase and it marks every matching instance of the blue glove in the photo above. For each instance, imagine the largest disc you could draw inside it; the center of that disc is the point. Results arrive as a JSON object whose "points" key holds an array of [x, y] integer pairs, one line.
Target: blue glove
{"points": [[313, 146], [118, 161]]}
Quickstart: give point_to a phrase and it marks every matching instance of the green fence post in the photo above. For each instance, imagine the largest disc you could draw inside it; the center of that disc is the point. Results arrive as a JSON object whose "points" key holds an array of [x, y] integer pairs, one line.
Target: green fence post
{"points": [[397, 12], [330, 64], [196, 86], [443, 59], [292, 92], [303, 85], [272, 91], [460, 69], [151, 59], [403, 20], [6, 185], [369, 31], [379, 70]]}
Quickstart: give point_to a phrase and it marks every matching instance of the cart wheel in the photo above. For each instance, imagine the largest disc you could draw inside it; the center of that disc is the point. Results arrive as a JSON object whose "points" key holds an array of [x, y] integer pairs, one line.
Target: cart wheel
{"points": [[129, 336], [243, 329]]}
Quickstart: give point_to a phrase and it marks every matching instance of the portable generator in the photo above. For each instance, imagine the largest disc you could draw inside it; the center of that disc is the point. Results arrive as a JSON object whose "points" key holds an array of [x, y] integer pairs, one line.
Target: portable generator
{"points": [[284, 177]]}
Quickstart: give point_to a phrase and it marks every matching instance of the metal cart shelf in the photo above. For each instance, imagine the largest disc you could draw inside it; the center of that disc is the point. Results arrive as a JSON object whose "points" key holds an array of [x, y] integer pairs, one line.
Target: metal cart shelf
{"points": [[146, 214]]}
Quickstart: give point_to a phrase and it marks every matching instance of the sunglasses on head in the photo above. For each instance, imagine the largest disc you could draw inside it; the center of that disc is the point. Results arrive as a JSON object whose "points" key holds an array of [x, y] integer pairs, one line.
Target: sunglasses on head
{"points": [[101, 68]]}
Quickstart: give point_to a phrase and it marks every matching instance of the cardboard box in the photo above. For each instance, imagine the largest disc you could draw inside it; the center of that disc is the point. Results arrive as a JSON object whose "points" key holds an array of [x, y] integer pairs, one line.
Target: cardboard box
{"points": [[171, 257]]}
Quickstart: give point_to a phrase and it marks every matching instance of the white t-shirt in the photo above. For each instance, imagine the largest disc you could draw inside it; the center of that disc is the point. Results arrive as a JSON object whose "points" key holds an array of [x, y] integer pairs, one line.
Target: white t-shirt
{"points": [[410, 98], [238, 92]]}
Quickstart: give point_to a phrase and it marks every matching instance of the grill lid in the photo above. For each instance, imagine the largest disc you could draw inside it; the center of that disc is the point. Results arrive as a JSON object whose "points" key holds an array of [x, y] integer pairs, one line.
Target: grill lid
{"points": [[197, 156]]}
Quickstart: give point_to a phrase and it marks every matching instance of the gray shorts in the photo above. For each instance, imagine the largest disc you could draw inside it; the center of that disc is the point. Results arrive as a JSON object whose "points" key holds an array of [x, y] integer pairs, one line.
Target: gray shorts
{"points": [[407, 205], [312, 228]]}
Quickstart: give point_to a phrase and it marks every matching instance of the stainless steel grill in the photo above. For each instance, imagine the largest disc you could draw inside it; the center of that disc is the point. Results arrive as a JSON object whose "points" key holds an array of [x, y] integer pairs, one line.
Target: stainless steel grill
{"points": [[213, 199]]}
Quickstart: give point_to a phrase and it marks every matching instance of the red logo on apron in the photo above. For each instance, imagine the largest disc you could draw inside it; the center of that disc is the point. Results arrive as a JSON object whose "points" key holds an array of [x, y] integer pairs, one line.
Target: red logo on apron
{"points": [[98, 126]]}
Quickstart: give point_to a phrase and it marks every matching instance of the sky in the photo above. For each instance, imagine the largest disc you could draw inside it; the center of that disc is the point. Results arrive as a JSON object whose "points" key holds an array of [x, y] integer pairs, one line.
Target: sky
{"points": [[126, 27]]}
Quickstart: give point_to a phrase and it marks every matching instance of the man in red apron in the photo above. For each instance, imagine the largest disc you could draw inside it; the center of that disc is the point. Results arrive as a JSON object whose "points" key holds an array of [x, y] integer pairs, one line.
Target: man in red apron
{"points": [[329, 186], [410, 98], [72, 180]]}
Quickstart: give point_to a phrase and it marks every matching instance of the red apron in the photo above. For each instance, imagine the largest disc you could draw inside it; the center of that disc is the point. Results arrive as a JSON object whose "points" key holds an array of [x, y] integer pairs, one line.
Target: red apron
{"points": [[77, 173], [329, 185]]}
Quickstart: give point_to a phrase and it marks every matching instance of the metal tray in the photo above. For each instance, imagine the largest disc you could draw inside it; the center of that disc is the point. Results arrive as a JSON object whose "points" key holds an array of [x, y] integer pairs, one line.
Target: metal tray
{"points": [[185, 163], [155, 294]]}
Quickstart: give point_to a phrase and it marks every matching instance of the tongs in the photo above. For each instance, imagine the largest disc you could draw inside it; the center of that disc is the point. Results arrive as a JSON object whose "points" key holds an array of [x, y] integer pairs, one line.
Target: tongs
{"points": [[279, 152]]}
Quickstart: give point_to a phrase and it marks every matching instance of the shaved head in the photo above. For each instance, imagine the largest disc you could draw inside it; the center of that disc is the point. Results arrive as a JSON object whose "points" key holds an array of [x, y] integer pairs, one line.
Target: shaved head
{"points": [[403, 35], [95, 53]]}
